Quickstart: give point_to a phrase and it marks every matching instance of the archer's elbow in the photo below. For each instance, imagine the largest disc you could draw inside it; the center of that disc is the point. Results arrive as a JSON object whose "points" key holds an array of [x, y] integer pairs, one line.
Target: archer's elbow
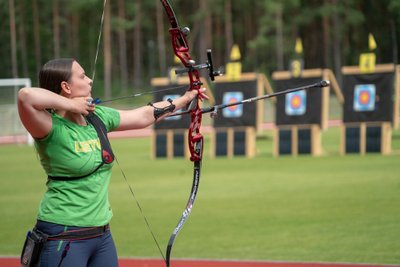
{"points": [[24, 94]]}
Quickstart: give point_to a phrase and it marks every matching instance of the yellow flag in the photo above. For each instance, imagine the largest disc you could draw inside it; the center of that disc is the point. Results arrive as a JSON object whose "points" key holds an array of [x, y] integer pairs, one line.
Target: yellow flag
{"points": [[299, 46], [371, 42], [235, 53]]}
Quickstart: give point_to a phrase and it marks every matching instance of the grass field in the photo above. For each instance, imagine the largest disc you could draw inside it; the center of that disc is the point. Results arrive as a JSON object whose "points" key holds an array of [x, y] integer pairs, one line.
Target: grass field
{"points": [[328, 209]]}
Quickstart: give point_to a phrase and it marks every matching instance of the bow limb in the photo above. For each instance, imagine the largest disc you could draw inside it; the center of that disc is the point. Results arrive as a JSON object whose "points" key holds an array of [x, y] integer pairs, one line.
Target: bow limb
{"points": [[186, 212]]}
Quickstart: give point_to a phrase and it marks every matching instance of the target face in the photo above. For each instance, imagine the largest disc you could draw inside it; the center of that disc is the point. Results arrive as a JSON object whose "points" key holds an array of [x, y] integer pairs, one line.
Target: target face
{"points": [[173, 118], [364, 97], [233, 111], [295, 103]]}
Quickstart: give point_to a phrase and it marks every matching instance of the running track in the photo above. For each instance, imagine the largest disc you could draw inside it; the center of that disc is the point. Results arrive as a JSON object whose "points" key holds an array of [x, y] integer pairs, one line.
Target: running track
{"points": [[140, 262]]}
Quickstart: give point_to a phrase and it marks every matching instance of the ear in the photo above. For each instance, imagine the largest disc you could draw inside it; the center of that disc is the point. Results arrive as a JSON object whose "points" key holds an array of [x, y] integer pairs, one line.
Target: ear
{"points": [[65, 88]]}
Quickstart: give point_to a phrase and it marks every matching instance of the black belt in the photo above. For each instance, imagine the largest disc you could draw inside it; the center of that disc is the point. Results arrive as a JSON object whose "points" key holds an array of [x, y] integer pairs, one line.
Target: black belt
{"points": [[81, 233]]}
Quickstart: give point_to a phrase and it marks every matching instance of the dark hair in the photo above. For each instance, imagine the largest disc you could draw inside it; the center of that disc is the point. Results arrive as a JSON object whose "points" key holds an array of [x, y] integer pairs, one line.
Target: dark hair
{"points": [[54, 72]]}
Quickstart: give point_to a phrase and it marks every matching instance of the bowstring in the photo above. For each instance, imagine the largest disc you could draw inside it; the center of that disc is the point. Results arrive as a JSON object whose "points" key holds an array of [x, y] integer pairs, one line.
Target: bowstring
{"points": [[116, 160], [98, 41], [95, 64], [140, 209]]}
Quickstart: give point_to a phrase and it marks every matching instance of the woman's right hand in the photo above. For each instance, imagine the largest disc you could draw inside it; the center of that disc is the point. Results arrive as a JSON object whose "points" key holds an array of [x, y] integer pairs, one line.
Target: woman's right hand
{"points": [[82, 105], [33, 104]]}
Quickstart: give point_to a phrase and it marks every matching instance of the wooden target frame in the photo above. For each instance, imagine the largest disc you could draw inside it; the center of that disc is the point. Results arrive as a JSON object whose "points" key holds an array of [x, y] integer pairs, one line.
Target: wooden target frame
{"points": [[240, 140], [262, 86], [315, 130], [233, 141], [384, 128]]}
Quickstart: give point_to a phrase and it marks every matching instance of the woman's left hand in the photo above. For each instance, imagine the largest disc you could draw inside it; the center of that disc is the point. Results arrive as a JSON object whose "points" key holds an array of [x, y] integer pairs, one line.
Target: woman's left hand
{"points": [[190, 95]]}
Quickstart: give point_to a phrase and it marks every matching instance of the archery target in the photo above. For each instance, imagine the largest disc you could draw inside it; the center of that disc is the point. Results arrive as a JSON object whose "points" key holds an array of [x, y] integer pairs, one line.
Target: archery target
{"points": [[233, 111], [364, 97], [173, 118], [295, 103]]}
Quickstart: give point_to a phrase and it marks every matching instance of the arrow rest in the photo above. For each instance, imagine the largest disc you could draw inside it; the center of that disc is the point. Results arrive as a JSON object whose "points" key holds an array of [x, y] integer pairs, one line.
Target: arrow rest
{"points": [[214, 113]]}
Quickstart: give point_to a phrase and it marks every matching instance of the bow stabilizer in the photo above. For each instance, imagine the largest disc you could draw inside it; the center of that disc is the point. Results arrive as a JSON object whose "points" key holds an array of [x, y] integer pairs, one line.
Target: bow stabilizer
{"points": [[214, 109]]}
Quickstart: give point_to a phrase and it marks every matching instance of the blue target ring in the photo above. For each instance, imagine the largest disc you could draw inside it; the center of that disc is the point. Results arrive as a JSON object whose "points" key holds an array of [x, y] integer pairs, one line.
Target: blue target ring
{"points": [[364, 97], [295, 103], [233, 111]]}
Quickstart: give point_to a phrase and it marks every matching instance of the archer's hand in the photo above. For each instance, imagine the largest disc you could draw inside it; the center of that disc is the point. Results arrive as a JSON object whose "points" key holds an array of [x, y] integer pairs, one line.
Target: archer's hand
{"points": [[190, 95], [82, 105]]}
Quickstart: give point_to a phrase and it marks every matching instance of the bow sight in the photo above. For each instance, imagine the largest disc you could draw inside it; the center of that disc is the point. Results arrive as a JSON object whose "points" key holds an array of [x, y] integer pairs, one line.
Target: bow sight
{"points": [[208, 65]]}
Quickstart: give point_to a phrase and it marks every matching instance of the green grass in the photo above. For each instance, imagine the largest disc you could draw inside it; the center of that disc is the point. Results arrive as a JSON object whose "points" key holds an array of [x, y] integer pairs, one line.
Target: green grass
{"points": [[331, 208]]}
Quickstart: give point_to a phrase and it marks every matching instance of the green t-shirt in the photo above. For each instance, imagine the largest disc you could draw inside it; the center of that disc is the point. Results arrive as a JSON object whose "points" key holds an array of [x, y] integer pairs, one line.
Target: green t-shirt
{"points": [[71, 150]]}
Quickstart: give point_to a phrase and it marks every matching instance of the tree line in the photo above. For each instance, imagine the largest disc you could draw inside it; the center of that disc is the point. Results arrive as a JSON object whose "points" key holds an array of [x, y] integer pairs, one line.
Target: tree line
{"points": [[135, 44]]}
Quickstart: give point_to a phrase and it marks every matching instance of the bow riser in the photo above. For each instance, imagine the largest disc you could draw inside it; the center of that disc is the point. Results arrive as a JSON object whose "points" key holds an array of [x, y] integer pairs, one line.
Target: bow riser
{"points": [[195, 137], [181, 50]]}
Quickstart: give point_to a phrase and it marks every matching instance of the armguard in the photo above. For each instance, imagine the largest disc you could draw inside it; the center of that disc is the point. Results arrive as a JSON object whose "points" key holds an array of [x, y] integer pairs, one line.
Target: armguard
{"points": [[158, 112]]}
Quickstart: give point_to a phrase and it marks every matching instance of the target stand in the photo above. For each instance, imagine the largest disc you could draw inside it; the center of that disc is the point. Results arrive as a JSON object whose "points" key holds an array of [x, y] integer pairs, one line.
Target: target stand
{"points": [[170, 144], [235, 127], [230, 142], [371, 109], [365, 138], [302, 116], [297, 139]]}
